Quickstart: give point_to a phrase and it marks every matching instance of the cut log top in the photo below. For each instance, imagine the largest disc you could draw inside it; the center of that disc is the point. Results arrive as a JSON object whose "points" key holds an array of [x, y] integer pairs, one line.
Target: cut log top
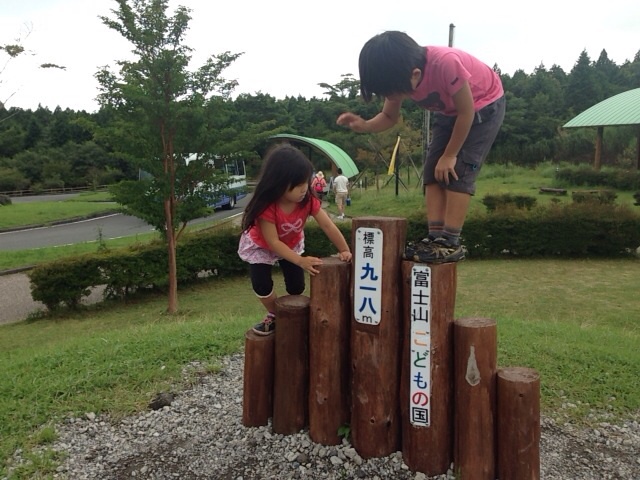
{"points": [[294, 302], [254, 337], [519, 374], [378, 219], [475, 322], [331, 262]]}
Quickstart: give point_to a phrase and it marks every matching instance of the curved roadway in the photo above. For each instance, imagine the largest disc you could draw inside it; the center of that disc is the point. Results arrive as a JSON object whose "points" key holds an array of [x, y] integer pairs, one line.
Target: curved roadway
{"points": [[110, 226]]}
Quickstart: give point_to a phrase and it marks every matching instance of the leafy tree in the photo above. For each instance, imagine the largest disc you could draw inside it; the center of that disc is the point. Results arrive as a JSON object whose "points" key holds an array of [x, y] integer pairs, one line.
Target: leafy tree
{"points": [[158, 103], [11, 52]]}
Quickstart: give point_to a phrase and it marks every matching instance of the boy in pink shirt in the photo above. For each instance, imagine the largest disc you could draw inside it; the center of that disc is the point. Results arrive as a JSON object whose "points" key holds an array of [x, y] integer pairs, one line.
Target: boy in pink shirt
{"points": [[468, 99]]}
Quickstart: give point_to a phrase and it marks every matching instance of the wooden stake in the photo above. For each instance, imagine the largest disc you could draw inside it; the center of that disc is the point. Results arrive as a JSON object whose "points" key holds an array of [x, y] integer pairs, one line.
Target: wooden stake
{"points": [[375, 349], [329, 317], [257, 394], [475, 356], [428, 449], [291, 378], [518, 424]]}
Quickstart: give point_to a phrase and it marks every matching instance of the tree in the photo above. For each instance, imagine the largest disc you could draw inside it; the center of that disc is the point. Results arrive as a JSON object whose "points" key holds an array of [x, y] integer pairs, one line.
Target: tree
{"points": [[159, 103], [12, 51]]}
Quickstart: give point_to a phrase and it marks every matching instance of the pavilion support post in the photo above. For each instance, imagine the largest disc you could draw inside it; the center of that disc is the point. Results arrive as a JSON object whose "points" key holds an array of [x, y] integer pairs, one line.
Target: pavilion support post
{"points": [[597, 161]]}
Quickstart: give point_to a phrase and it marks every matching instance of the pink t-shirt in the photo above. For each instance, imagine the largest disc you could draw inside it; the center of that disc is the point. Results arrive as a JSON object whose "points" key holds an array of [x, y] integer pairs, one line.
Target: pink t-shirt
{"points": [[446, 70], [290, 226]]}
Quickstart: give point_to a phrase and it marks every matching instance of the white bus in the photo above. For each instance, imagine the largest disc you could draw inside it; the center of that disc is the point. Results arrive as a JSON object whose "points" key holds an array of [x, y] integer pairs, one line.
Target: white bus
{"points": [[237, 186]]}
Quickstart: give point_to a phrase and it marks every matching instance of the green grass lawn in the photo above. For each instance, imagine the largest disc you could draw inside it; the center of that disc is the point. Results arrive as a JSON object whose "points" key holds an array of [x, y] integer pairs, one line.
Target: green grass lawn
{"points": [[575, 321], [42, 213]]}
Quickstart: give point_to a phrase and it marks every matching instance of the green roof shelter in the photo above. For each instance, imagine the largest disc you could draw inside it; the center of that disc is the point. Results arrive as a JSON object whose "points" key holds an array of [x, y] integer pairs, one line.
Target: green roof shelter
{"points": [[338, 157], [621, 109]]}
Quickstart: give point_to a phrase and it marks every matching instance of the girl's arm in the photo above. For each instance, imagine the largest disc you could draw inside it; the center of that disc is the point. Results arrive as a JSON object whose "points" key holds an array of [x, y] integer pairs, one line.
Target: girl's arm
{"points": [[277, 246], [334, 234]]}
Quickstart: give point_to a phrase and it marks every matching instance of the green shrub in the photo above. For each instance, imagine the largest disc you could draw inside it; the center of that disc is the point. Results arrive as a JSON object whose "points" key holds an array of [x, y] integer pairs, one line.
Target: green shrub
{"points": [[573, 230], [585, 175], [494, 202], [602, 197], [5, 200]]}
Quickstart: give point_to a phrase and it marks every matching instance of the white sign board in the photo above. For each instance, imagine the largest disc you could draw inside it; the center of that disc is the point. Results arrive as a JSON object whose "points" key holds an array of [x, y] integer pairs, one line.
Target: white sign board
{"points": [[420, 350], [367, 261]]}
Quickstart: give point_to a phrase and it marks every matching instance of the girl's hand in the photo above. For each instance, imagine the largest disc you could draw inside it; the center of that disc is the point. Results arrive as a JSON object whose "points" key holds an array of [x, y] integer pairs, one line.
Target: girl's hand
{"points": [[345, 256], [445, 167], [309, 264]]}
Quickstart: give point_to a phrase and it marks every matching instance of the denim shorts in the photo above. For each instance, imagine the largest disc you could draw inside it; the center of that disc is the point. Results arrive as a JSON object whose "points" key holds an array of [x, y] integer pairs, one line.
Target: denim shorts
{"points": [[484, 130]]}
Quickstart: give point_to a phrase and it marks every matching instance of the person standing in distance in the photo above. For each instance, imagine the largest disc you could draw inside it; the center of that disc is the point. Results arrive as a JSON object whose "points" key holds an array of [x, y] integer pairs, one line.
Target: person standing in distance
{"points": [[468, 99], [341, 189]]}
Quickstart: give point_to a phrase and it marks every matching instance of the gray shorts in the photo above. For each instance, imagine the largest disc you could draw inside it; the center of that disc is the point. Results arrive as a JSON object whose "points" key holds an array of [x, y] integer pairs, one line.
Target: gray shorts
{"points": [[485, 128]]}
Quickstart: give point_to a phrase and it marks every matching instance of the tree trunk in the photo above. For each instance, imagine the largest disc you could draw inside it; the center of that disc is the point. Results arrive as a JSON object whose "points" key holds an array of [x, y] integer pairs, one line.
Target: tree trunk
{"points": [[171, 250]]}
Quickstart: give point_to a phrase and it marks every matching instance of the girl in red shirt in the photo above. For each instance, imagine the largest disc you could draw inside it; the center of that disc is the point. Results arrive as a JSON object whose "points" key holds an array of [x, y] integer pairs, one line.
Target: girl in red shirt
{"points": [[273, 228]]}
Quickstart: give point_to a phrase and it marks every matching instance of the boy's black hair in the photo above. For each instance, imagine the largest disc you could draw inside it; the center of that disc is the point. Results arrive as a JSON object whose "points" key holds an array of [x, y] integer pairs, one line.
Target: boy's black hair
{"points": [[387, 62], [284, 168]]}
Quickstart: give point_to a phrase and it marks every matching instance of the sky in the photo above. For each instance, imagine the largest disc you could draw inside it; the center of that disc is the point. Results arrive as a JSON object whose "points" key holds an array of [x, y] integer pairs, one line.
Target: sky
{"points": [[290, 46]]}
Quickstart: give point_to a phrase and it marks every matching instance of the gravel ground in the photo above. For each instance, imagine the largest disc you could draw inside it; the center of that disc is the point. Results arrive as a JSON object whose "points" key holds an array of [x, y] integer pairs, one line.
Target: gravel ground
{"points": [[201, 436]]}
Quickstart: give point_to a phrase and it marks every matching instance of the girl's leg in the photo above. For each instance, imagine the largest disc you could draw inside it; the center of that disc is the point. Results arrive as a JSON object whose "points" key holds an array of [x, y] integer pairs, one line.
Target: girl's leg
{"points": [[262, 283], [293, 277]]}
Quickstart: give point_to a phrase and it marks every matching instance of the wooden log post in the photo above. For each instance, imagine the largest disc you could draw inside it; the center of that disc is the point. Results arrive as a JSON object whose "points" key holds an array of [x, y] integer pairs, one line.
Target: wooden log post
{"points": [[257, 394], [518, 407], [376, 334], [426, 395], [475, 356], [329, 327], [291, 371]]}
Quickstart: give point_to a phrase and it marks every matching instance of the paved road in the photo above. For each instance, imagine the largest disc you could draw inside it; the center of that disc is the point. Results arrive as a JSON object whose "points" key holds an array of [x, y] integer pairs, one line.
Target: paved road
{"points": [[111, 226], [16, 303]]}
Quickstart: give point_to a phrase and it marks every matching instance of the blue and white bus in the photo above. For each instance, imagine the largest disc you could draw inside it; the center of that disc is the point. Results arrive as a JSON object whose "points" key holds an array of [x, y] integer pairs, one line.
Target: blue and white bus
{"points": [[236, 188]]}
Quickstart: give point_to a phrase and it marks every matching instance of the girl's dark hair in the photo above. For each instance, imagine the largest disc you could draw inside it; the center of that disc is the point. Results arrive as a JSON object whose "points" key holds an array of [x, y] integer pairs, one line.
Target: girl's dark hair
{"points": [[284, 168], [387, 62]]}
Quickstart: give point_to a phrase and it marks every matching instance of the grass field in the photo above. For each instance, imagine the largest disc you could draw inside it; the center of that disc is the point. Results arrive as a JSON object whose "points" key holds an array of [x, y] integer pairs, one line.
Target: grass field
{"points": [[42, 213], [575, 321]]}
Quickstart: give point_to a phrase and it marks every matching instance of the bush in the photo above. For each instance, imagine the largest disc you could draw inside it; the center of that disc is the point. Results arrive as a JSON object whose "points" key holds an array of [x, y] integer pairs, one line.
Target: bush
{"points": [[617, 179], [571, 231], [602, 197], [574, 230], [494, 202], [5, 200]]}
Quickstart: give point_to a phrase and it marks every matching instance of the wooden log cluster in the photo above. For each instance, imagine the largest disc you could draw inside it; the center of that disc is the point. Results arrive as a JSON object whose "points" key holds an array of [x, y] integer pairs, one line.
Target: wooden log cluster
{"points": [[323, 370]]}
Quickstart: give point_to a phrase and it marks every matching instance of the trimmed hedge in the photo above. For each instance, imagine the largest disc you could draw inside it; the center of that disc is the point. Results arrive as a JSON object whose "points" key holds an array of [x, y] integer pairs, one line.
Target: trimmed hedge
{"points": [[568, 231]]}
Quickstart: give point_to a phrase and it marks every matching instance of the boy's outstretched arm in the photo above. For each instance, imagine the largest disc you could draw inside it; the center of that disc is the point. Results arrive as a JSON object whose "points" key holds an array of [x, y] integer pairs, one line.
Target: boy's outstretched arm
{"points": [[384, 120], [334, 234]]}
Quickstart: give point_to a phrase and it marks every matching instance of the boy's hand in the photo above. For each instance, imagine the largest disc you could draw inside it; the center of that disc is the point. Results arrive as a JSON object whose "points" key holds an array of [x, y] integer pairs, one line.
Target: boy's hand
{"points": [[445, 167], [345, 256], [309, 264], [353, 121]]}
